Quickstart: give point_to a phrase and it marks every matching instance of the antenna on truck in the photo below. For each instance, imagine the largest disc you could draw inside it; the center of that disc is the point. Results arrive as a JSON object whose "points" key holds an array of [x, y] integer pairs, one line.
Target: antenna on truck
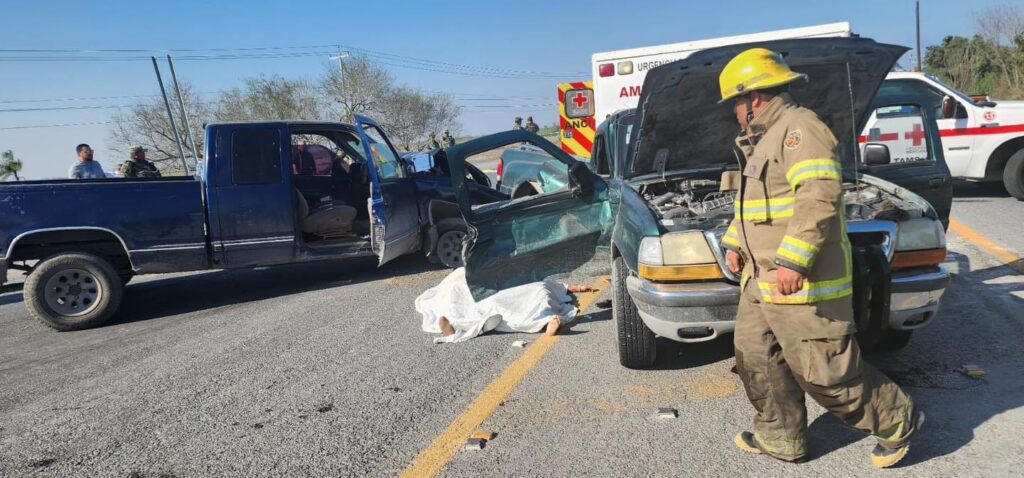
{"points": [[174, 127]]}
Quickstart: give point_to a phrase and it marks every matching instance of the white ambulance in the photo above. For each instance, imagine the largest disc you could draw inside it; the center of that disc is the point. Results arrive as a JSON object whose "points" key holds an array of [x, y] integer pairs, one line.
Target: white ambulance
{"points": [[618, 75]]}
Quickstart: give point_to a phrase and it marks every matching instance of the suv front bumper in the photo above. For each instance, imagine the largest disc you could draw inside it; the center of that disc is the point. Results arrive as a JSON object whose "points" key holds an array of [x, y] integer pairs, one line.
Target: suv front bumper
{"points": [[686, 312], [914, 300], [702, 311]]}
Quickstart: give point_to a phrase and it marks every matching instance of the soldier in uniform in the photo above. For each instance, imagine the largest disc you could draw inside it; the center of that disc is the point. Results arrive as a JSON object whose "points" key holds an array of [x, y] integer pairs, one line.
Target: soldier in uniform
{"points": [[517, 124], [137, 166], [448, 140], [432, 143], [531, 126], [794, 328]]}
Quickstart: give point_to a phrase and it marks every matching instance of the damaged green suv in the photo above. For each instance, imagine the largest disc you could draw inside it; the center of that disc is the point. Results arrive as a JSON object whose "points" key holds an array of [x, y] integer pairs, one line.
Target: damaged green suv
{"points": [[654, 203]]}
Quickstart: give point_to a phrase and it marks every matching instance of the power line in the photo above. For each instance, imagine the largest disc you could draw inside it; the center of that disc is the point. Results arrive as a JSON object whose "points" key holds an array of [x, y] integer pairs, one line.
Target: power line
{"points": [[93, 98], [59, 125]]}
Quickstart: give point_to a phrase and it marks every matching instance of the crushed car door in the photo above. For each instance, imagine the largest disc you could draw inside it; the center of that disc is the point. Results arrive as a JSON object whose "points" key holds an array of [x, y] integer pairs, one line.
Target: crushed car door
{"points": [[532, 238], [394, 207]]}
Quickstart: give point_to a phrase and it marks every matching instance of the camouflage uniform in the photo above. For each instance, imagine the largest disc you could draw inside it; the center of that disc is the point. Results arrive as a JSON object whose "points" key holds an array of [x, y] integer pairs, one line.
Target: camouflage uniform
{"points": [[139, 168], [448, 139], [789, 214], [517, 124], [432, 143], [531, 126]]}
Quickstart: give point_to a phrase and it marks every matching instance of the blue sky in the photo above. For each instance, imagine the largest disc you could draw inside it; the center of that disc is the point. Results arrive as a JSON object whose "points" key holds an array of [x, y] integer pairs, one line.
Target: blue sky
{"points": [[518, 35]]}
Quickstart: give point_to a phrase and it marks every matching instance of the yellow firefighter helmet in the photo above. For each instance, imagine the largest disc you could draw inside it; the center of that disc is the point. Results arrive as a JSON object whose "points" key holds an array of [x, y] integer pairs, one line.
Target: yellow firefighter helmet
{"points": [[755, 69]]}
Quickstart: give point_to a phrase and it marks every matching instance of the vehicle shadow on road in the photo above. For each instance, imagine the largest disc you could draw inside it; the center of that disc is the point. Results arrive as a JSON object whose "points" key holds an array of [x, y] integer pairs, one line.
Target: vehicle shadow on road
{"points": [[967, 189], [166, 297], [674, 355], [956, 405]]}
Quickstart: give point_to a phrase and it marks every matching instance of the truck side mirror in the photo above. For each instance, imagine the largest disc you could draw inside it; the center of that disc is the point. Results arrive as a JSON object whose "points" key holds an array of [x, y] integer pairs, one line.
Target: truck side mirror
{"points": [[580, 179], [948, 107], [876, 154]]}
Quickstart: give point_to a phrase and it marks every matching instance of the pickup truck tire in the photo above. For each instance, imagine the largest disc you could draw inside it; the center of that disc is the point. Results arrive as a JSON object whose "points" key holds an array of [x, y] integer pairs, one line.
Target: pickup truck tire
{"points": [[636, 341], [450, 235], [73, 291], [1013, 175]]}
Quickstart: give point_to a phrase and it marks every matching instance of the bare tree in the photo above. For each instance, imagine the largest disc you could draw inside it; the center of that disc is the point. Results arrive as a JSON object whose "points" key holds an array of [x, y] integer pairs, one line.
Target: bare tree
{"points": [[1000, 24], [147, 125], [358, 86], [271, 98]]}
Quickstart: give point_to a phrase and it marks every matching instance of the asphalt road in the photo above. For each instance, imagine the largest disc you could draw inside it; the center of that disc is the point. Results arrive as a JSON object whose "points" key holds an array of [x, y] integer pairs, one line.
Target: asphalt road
{"points": [[322, 370]]}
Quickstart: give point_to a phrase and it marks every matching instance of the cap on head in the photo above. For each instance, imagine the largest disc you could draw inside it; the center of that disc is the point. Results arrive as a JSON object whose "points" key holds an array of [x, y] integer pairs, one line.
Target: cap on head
{"points": [[432, 135], [136, 149], [529, 118], [445, 131], [519, 118], [755, 69]]}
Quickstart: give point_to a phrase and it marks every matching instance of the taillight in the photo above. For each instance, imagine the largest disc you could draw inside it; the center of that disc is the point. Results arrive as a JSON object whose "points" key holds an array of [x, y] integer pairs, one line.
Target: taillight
{"points": [[606, 69], [501, 167]]}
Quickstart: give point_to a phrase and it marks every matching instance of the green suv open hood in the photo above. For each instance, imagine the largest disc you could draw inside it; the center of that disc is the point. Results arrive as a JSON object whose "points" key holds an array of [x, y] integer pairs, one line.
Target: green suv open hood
{"points": [[680, 115]]}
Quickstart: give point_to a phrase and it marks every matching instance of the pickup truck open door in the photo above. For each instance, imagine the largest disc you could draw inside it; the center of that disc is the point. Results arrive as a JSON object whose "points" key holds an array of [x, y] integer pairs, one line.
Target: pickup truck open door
{"points": [[531, 238], [394, 209], [902, 145]]}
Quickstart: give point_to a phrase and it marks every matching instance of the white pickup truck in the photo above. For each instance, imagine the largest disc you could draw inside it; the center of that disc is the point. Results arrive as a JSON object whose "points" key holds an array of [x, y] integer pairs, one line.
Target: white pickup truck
{"points": [[982, 140]]}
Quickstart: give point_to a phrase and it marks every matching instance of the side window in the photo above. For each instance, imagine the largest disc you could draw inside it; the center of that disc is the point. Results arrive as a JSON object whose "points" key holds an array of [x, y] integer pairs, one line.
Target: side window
{"points": [[388, 165], [901, 128], [527, 170], [600, 160], [313, 154], [255, 157]]}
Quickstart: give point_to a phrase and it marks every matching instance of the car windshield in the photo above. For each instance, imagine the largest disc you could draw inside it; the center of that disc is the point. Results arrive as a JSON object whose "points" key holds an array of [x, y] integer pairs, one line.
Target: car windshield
{"points": [[956, 92]]}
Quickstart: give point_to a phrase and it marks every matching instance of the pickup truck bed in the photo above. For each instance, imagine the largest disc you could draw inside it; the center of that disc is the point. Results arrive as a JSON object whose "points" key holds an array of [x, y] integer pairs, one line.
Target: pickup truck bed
{"points": [[158, 222]]}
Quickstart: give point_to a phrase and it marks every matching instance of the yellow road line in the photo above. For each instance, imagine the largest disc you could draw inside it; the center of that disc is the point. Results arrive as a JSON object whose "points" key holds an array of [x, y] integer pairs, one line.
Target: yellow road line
{"points": [[1006, 257], [433, 459]]}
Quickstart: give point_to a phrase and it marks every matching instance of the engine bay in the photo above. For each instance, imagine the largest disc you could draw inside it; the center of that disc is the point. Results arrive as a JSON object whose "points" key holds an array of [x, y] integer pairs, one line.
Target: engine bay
{"points": [[698, 203]]}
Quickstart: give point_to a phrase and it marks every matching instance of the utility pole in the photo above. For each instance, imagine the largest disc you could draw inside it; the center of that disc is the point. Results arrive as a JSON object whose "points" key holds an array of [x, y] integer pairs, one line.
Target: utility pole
{"points": [[917, 15], [341, 72]]}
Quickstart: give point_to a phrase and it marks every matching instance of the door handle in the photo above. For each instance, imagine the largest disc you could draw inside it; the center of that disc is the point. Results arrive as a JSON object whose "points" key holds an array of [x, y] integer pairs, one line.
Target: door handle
{"points": [[936, 182]]}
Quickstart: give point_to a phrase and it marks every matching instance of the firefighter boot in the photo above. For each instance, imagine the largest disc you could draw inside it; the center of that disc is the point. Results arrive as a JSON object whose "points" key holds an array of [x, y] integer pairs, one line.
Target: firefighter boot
{"points": [[747, 442], [889, 452]]}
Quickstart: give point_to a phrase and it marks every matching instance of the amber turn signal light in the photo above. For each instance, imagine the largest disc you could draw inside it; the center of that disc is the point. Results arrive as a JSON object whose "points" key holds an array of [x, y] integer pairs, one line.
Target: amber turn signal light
{"points": [[930, 257]]}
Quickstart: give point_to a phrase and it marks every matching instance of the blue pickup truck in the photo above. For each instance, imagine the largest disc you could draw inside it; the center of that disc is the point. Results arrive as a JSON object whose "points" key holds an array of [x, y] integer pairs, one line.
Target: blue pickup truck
{"points": [[269, 193]]}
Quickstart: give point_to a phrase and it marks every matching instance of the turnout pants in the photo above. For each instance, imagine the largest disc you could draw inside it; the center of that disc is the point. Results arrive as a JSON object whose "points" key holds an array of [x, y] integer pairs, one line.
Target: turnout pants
{"points": [[779, 357]]}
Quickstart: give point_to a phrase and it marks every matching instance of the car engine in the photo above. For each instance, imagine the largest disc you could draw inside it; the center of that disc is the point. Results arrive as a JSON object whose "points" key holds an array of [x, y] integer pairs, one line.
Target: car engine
{"points": [[698, 203]]}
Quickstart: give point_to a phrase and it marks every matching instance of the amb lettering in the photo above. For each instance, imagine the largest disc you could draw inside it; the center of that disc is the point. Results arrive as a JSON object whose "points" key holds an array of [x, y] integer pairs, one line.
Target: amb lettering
{"points": [[629, 91]]}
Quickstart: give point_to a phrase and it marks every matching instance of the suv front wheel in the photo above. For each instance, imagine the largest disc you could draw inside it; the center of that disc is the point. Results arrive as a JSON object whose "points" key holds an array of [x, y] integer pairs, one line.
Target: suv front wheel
{"points": [[636, 341]]}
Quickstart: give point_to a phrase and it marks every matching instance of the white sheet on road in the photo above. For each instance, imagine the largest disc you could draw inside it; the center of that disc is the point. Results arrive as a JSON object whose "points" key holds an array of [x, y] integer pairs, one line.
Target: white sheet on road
{"points": [[526, 308]]}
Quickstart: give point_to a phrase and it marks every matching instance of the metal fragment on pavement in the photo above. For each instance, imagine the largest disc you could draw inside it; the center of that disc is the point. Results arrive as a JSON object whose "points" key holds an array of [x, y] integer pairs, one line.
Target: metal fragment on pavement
{"points": [[666, 412], [520, 343], [485, 435], [475, 444], [972, 371]]}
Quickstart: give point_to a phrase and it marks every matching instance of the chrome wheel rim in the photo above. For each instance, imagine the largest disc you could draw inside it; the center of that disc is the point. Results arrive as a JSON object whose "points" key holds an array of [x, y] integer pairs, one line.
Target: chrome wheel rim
{"points": [[73, 292], [449, 248]]}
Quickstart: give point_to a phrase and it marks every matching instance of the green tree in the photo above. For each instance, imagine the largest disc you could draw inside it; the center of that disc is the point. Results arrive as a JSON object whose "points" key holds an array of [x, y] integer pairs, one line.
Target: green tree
{"points": [[990, 62], [9, 166]]}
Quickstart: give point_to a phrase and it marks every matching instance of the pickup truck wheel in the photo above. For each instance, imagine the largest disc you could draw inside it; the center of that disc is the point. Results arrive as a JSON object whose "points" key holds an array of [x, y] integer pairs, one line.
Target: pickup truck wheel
{"points": [[451, 234], [1013, 175], [636, 341], [73, 291]]}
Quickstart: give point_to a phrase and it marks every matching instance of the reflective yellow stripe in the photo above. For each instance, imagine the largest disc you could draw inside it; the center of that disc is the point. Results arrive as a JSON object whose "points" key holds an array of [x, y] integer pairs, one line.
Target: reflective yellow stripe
{"points": [[814, 169], [761, 209], [811, 293], [731, 238], [797, 251]]}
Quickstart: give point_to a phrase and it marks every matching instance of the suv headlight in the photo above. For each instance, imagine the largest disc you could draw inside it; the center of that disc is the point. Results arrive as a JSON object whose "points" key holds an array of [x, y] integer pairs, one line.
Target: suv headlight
{"points": [[920, 242], [678, 256]]}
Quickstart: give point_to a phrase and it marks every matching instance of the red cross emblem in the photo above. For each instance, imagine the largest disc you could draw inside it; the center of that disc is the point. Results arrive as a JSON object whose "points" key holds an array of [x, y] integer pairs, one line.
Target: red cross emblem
{"points": [[580, 99], [917, 135]]}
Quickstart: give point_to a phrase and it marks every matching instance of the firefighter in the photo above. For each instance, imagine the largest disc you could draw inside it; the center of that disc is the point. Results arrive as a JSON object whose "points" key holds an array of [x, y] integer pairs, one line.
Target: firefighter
{"points": [[432, 143], [448, 140], [794, 326], [137, 166], [531, 126], [517, 124]]}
